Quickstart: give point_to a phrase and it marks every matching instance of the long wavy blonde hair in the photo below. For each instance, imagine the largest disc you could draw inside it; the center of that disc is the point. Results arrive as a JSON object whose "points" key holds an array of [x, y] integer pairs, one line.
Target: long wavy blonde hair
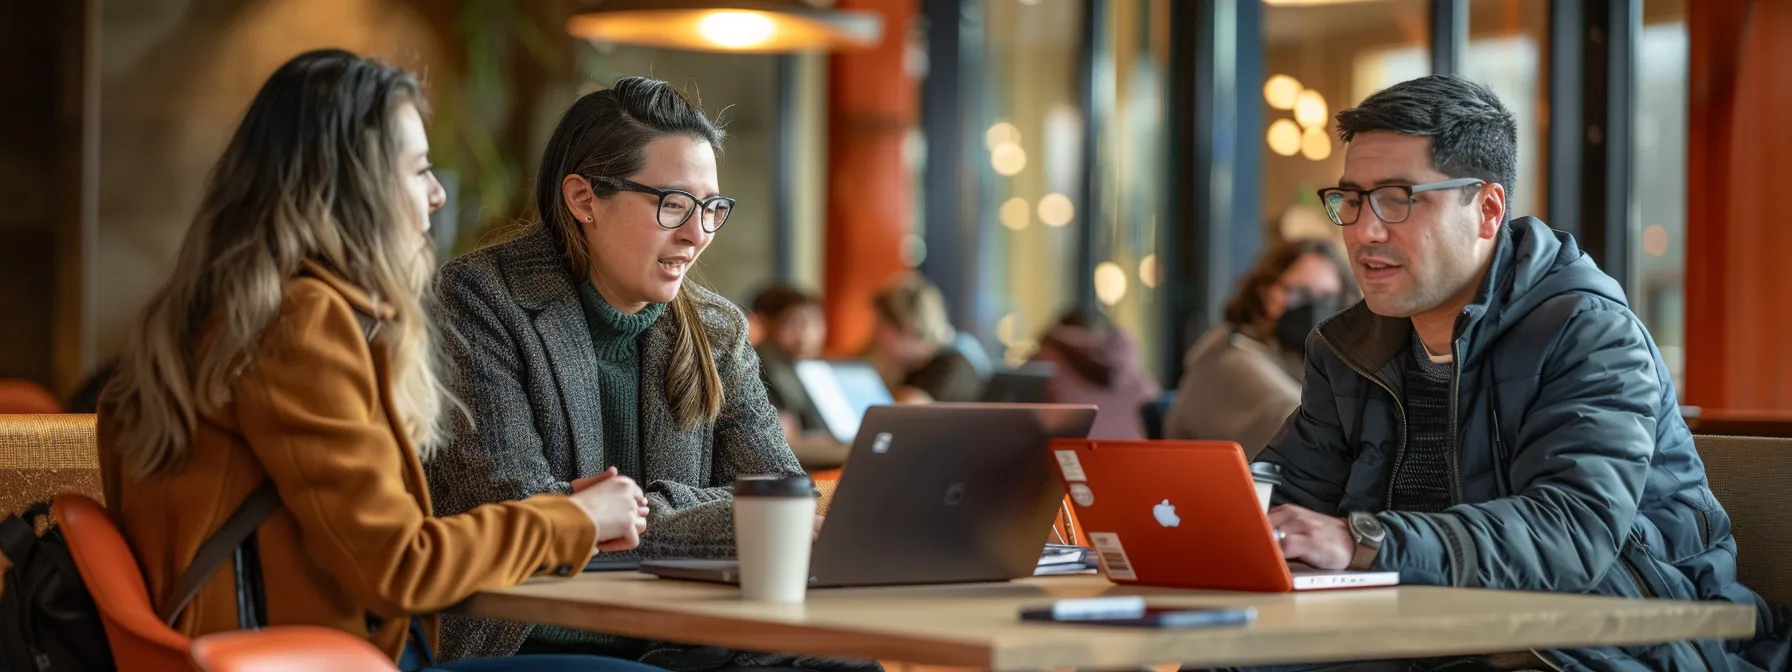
{"points": [[311, 173]]}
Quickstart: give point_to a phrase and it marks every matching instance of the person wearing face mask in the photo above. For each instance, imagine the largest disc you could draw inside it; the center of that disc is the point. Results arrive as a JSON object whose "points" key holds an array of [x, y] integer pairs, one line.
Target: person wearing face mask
{"points": [[1242, 379], [581, 347]]}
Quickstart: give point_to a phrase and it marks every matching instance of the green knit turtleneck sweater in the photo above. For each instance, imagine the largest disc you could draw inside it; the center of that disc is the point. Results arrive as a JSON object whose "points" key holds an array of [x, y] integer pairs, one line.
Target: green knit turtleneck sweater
{"points": [[614, 336]]}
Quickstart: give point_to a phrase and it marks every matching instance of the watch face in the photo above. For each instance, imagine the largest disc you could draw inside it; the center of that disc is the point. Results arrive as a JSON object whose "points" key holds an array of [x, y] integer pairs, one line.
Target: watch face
{"points": [[1368, 526]]}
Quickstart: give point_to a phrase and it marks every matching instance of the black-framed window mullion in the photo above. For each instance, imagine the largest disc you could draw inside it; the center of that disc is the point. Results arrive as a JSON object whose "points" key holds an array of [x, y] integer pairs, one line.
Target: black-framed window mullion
{"points": [[951, 111], [1095, 88], [1592, 108], [1213, 230], [1449, 36]]}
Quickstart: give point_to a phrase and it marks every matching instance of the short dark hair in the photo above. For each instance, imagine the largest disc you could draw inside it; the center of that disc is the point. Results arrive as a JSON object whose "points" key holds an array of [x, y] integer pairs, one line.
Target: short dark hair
{"points": [[1472, 133], [773, 301]]}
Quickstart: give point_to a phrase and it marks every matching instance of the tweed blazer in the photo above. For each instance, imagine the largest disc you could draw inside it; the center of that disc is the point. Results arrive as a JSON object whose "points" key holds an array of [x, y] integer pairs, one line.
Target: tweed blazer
{"points": [[526, 368]]}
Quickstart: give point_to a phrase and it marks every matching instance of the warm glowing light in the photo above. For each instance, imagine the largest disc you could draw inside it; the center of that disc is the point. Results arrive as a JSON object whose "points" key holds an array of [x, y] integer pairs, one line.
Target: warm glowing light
{"points": [[1005, 329], [1309, 109], [913, 251], [999, 133], [1110, 283], [1280, 91], [736, 29], [1008, 159], [1284, 137], [1148, 270], [1315, 144], [1015, 213], [1655, 240], [1056, 209]]}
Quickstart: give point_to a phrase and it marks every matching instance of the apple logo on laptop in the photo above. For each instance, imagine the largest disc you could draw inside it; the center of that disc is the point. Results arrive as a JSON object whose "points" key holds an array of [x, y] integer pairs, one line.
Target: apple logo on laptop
{"points": [[1165, 512]]}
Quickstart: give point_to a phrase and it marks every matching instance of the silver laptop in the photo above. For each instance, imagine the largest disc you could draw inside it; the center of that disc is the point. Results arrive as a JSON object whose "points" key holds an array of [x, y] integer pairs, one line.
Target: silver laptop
{"points": [[842, 390], [938, 493]]}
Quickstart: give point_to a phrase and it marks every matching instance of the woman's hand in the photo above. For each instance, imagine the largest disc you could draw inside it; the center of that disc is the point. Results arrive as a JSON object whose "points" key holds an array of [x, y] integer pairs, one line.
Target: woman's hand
{"points": [[616, 505]]}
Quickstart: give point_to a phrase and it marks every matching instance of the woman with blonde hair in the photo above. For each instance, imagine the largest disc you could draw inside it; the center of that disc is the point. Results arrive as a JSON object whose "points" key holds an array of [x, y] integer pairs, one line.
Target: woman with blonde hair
{"points": [[584, 347], [913, 344], [291, 353]]}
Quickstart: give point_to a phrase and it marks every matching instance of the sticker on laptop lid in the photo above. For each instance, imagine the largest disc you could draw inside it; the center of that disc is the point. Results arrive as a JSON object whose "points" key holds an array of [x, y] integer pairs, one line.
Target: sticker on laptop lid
{"points": [[1082, 495], [1071, 466], [1113, 556]]}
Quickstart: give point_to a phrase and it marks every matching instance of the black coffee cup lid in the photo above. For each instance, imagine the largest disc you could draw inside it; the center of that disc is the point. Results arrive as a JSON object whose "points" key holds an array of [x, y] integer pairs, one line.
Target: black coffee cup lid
{"points": [[1267, 472], [774, 485]]}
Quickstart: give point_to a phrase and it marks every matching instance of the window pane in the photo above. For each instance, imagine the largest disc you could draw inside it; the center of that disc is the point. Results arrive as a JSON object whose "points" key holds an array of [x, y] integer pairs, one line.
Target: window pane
{"points": [[1507, 39], [1658, 192], [1130, 170], [1320, 59], [1034, 142]]}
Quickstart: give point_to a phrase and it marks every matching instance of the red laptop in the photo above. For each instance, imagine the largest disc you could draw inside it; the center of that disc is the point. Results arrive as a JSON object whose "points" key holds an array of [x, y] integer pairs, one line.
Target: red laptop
{"points": [[1183, 514]]}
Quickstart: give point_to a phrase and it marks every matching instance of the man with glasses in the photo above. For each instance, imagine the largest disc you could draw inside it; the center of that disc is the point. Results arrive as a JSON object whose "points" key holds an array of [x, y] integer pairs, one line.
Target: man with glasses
{"points": [[1493, 415]]}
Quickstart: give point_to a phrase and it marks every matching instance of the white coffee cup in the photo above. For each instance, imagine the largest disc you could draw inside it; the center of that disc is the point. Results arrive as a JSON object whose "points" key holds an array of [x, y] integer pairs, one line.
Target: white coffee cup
{"points": [[774, 523], [1266, 476]]}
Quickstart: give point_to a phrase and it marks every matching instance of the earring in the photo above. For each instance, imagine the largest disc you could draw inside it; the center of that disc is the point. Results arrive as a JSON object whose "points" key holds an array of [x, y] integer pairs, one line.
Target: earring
{"points": [[589, 218]]}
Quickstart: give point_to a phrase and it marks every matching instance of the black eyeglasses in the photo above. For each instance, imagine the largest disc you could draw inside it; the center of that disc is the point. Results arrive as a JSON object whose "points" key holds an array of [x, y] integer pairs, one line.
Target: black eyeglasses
{"points": [[675, 206], [1392, 203]]}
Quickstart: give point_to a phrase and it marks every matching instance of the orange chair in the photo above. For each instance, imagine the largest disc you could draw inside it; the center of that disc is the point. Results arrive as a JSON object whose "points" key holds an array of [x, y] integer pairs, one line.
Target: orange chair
{"points": [[23, 396], [293, 648], [139, 639]]}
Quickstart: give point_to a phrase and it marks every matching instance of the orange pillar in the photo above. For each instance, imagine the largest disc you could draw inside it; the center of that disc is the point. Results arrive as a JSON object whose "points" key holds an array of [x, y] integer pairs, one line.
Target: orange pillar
{"points": [[872, 104], [1738, 288]]}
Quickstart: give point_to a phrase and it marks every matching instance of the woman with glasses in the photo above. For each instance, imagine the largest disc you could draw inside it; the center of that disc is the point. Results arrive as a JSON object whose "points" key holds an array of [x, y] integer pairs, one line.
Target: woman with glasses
{"points": [[581, 347]]}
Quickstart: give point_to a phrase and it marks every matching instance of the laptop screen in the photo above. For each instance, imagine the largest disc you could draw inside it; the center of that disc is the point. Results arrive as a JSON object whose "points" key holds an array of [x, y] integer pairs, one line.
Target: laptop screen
{"points": [[841, 391]]}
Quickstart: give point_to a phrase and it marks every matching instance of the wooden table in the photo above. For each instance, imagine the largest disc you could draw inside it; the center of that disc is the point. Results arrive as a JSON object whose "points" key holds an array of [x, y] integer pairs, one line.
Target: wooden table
{"points": [[977, 625]]}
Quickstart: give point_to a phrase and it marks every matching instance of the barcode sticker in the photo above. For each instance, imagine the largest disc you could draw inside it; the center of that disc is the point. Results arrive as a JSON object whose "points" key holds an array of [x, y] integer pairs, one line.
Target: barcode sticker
{"points": [[1072, 467], [1113, 556]]}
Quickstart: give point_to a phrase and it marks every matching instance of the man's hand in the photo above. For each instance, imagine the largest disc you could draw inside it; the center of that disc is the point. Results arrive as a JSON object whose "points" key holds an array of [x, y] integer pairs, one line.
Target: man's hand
{"points": [[816, 532], [1312, 538]]}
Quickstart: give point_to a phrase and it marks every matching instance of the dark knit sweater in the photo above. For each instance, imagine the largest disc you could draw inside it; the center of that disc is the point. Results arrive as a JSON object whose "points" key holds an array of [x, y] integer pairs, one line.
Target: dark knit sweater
{"points": [[614, 335], [1422, 480]]}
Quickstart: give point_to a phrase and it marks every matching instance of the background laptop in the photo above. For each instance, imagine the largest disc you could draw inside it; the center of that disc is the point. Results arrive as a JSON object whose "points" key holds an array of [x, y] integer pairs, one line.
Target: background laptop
{"points": [[1183, 514], [938, 493], [842, 390], [1024, 385]]}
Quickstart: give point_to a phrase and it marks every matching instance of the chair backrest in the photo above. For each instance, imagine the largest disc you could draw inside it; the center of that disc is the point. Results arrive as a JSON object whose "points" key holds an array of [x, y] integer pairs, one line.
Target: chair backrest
{"points": [[1153, 413], [140, 641], [1753, 480], [23, 396], [41, 455], [292, 648]]}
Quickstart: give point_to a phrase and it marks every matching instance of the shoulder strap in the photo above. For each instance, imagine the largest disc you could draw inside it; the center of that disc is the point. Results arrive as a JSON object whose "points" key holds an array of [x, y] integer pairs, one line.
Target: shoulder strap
{"points": [[223, 544]]}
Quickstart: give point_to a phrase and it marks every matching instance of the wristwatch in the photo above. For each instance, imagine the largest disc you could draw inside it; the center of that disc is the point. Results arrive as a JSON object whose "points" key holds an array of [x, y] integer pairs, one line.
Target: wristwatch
{"points": [[1369, 532]]}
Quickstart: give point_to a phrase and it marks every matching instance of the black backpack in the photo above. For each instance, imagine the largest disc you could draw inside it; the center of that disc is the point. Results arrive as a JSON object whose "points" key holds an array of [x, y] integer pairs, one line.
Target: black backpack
{"points": [[48, 621]]}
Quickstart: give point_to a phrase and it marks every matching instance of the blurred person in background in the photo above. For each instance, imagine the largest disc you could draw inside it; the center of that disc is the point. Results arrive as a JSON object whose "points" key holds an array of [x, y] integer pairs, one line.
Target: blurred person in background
{"points": [[1097, 363], [794, 329], [912, 345], [1242, 378]]}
